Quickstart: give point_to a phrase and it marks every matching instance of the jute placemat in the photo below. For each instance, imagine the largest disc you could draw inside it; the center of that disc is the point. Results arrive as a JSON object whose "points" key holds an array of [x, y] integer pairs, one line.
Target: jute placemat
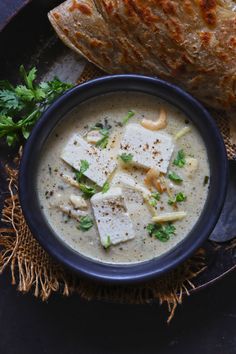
{"points": [[32, 269]]}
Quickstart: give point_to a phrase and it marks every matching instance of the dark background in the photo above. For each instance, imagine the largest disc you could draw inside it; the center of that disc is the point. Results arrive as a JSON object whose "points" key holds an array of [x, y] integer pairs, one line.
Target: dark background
{"points": [[204, 324]]}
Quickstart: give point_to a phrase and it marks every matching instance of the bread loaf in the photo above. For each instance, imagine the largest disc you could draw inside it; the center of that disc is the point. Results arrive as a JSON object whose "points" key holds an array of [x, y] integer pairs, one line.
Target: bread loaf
{"points": [[191, 43]]}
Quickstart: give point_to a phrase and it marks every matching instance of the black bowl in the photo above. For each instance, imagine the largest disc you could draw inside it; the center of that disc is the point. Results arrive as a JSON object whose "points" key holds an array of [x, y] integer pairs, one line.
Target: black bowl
{"points": [[200, 232]]}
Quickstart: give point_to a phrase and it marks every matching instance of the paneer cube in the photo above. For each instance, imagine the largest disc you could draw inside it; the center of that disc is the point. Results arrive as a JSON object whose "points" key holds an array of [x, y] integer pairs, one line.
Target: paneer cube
{"points": [[149, 148], [112, 218], [101, 165]]}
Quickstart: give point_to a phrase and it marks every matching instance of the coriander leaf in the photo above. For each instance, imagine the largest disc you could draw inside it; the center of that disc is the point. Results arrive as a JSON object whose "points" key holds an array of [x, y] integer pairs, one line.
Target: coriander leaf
{"points": [[206, 180], [39, 94], [6, 125], [88, 191], [105, 187], [26, 123], [24, 104], [24, 93], [85, 223], [153, 202], [11, 138], [84, 166], [9, 102], [161, 232], [102, 143], [107, 244], [155, 197], [53, 89], [126, 158], [180, 160], [127, 117], [28, 78], [25, 132], [150, 229], [180, 197], [5, 84], [174, 177], [8, 128]]}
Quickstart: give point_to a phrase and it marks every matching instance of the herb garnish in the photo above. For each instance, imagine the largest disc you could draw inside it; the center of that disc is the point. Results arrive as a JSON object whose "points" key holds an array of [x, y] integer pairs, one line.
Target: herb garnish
{"points": [[84, 166], [180, 160], [88, 191], [85, 223], [107, 243], [21, 106], [102, 143], [206, 180], [105, 187], [161, 232], [127, 117], [180, 197], [126, 158], [174, 177], [155, 197]]}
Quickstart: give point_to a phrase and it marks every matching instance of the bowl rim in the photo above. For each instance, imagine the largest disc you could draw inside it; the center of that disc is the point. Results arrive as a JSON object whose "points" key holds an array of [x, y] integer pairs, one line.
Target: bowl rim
{"points": [[125, 273]]}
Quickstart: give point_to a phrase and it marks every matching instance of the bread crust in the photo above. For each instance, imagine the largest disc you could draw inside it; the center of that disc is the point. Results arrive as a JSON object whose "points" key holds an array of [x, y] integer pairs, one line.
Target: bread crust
{"points": [[191, 43]]}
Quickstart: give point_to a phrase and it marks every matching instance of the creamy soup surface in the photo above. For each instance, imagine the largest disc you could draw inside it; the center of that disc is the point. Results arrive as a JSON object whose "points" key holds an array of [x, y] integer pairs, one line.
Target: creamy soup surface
{"points": [[184, 186]]}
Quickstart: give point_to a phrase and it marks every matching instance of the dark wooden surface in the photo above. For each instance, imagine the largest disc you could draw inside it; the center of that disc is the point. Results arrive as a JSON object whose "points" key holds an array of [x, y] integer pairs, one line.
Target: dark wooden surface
{"points": [[9, 8], [205, 323]]}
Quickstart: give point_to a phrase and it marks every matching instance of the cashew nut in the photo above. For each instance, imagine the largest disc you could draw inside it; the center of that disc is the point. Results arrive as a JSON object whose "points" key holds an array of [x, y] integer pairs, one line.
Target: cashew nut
{"points": [[161, 123]]}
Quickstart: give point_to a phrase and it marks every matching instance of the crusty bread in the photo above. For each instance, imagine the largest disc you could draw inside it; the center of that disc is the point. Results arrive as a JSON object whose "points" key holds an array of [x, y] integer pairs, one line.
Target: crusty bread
{"points": [[189, 42]]}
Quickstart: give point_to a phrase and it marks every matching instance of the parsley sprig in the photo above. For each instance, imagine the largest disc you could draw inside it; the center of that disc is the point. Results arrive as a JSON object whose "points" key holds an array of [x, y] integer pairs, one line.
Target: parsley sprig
{"points": [[85, 223], [84, 166], [162, 232], [107, 243], [126, 158], [180, 197], [21, 106], [129, 115], [180, 160], [105, 187], [155, 197], [174, 177], [88, 191], [104, 130], [102, 143]]}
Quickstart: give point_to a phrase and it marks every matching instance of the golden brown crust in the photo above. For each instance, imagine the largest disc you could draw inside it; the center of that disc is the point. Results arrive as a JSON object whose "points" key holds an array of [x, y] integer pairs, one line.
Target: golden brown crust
{"points": [[208, 9], [189, 42]]}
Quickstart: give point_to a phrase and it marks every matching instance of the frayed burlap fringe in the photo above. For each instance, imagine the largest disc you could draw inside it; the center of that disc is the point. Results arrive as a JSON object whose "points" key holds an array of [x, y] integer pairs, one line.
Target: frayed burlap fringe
{"points": [[34, 270], [30, 265], [168, 289]]}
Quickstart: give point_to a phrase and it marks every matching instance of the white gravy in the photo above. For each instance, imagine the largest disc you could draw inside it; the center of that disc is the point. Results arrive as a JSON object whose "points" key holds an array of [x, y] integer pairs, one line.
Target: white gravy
{"points": [[114, 108]]}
